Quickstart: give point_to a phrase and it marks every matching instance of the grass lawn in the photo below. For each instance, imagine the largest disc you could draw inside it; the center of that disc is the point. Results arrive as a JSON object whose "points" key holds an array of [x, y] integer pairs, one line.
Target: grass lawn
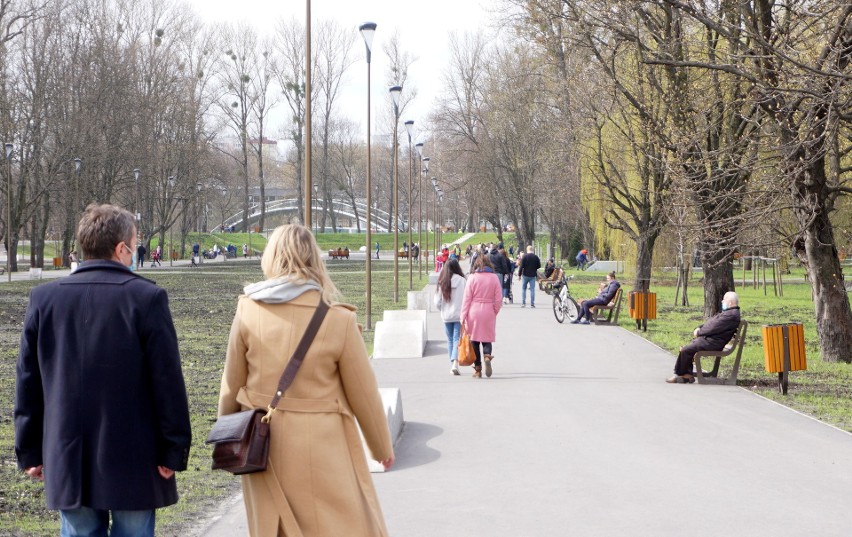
{"points": [[202, 302]]}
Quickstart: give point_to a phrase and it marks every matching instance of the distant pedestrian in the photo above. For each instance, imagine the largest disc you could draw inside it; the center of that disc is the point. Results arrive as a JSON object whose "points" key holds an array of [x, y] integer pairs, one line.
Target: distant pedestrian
{"points": [[378, 247], [448, 299], [245, 251], [140, 255], [582, 259], [502, 268], [530, 264], [101, 414], [483, 299], [415, 251]]}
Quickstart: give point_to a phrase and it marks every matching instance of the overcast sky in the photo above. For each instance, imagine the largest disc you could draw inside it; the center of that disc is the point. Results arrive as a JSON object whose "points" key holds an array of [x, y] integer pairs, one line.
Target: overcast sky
{"points": [[423, 27]]}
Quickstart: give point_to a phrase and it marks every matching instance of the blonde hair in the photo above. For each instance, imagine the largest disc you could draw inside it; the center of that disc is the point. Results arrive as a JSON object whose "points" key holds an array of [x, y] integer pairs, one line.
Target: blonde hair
{"points": [[292, 253]]}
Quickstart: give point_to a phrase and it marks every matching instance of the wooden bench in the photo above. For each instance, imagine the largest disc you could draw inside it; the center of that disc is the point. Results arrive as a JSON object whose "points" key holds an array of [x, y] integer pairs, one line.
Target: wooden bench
{"points": [[339, 253], [736, 344], [546, 284], [598, 311]]}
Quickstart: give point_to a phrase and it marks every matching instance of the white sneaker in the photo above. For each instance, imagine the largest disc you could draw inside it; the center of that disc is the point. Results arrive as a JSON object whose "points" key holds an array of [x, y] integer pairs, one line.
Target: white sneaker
{"points": [[455, 368]]}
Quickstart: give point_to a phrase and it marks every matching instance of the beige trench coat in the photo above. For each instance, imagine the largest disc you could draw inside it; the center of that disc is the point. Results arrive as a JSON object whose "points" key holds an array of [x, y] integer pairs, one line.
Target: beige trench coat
{"points": [[317, 483]]}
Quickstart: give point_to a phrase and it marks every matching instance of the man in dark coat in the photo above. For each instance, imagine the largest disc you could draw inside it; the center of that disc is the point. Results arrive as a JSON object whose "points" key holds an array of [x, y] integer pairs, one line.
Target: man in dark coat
{"points": [[711, 336], [605, 296], [101, 413], [502, 268]]}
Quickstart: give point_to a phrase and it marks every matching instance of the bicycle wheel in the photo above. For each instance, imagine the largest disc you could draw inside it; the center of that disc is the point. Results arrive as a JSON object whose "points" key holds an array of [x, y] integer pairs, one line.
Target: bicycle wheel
{"points": [[571, 309], [558, 312]]}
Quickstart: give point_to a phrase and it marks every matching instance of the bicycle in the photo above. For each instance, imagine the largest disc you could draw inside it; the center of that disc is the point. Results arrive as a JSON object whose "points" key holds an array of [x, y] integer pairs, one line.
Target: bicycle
{"points": [[564, 304]]}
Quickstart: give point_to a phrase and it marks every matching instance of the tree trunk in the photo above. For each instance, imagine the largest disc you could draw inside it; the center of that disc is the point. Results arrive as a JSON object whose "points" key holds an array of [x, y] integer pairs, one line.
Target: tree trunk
{"points": [[718, 277], [644, 259], [816, 248]]}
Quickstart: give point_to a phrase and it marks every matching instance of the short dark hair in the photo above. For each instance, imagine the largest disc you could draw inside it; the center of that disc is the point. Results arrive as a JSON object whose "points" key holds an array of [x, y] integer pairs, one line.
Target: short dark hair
{"points": [[101, 228]]}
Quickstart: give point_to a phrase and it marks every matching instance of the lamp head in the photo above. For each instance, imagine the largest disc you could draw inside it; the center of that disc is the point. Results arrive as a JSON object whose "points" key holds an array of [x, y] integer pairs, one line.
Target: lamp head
{"points": [[419, 147], [435, 183], [9, 148], [409, 127], [395, 92], [136, 173], [198, 186], [171, 180], [77, 163], [368, 30]]}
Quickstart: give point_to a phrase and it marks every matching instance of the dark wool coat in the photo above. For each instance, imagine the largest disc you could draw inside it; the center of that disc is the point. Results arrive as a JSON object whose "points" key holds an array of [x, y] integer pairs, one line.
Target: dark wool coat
{"points": [[100, 398]]}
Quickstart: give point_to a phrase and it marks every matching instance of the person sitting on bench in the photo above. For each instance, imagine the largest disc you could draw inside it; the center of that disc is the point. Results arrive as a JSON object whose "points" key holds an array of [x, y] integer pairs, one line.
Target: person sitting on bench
{"points": [[604, 297], [711, 336]]}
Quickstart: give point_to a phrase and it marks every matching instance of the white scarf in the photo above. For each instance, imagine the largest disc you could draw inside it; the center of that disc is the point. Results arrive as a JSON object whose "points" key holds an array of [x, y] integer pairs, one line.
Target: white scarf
{"points": [[279, 290]]}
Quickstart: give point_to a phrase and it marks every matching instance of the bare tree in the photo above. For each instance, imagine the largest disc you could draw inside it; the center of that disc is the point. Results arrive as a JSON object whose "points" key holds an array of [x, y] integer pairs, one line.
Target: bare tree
{"points": [[797, 61]]}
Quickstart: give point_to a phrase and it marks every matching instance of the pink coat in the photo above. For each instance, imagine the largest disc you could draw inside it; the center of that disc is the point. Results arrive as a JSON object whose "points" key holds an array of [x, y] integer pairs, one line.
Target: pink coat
{"points": [[483, 298]]}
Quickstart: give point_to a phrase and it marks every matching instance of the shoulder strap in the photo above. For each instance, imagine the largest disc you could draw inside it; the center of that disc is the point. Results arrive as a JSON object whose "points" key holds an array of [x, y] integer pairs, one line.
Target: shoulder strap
{"points": [[299, 354]]}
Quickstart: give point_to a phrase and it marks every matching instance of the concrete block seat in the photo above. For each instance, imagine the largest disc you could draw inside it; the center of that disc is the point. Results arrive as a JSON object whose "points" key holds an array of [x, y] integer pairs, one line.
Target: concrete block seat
{"points": [[399, 339]]}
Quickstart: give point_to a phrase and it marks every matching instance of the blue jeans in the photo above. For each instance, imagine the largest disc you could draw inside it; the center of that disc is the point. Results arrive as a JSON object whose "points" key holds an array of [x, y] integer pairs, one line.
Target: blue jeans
{"points": [[453, 335], [528, 280], [88, 522]]}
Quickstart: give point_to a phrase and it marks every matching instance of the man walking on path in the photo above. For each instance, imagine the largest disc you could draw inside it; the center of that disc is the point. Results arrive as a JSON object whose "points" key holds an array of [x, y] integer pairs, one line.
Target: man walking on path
{"points": [[140, 255], [101, 414], [530, 264]]}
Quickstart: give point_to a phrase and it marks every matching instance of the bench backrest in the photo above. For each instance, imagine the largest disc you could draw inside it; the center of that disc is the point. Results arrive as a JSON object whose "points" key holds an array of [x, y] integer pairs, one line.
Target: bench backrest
{"points": [[738, 335], [616, 298]]}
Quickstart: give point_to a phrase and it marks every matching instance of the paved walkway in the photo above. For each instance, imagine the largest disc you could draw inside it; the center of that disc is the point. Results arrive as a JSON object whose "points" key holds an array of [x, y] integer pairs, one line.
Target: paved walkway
{"points": [[577, 434]]}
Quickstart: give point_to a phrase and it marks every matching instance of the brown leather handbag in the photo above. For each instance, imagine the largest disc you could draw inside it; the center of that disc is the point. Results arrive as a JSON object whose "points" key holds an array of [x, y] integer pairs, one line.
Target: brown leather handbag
{"points": [[241, 440]]}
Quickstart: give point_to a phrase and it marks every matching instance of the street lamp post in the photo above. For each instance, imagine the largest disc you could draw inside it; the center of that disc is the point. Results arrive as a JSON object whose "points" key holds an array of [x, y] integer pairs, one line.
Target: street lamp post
{"points": [[78, 163], [308, 130], [136, 173], [171, 184], [395, 94], [419, 147], [409, 127], [315, 199], [9, 147], [425, 164], [368, 31], [437, 194]]}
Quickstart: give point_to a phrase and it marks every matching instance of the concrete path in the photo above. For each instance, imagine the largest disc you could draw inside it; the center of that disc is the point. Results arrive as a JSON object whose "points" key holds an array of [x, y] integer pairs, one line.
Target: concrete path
{"points": [[577, 434]]}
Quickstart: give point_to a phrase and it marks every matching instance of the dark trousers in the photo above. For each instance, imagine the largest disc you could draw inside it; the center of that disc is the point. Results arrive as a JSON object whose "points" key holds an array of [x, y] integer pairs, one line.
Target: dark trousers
{"points": [[587, 306], [683, 365], [486, 349]]}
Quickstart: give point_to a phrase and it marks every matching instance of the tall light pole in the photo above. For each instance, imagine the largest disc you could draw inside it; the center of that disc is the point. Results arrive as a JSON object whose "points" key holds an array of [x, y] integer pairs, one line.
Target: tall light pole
{"points": [[409, 127], [368, 30], [419, 147], [171, 184], [308, 130], [9, 147], [78, 163], [136, 173], [315, 199], [395, 94], [435, 187], [426, 172]]}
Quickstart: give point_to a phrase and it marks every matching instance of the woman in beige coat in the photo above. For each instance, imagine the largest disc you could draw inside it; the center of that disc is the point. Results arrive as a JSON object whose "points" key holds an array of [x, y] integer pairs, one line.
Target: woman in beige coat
{"points": [[317, 482]]}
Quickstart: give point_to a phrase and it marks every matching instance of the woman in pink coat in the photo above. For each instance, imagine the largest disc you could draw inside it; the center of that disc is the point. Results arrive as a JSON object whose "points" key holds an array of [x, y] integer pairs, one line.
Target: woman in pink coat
{"points": [[483, 297]]}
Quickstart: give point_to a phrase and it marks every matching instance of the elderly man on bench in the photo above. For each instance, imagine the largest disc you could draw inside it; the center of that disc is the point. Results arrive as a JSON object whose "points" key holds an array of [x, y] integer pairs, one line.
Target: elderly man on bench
{"points": [[605, 296], [711, 336]]}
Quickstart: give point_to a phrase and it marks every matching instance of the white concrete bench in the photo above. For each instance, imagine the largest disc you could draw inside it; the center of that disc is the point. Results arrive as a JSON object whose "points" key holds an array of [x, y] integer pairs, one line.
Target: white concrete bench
{"points": [[408, 315], [399, 339], [392, 401]]}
